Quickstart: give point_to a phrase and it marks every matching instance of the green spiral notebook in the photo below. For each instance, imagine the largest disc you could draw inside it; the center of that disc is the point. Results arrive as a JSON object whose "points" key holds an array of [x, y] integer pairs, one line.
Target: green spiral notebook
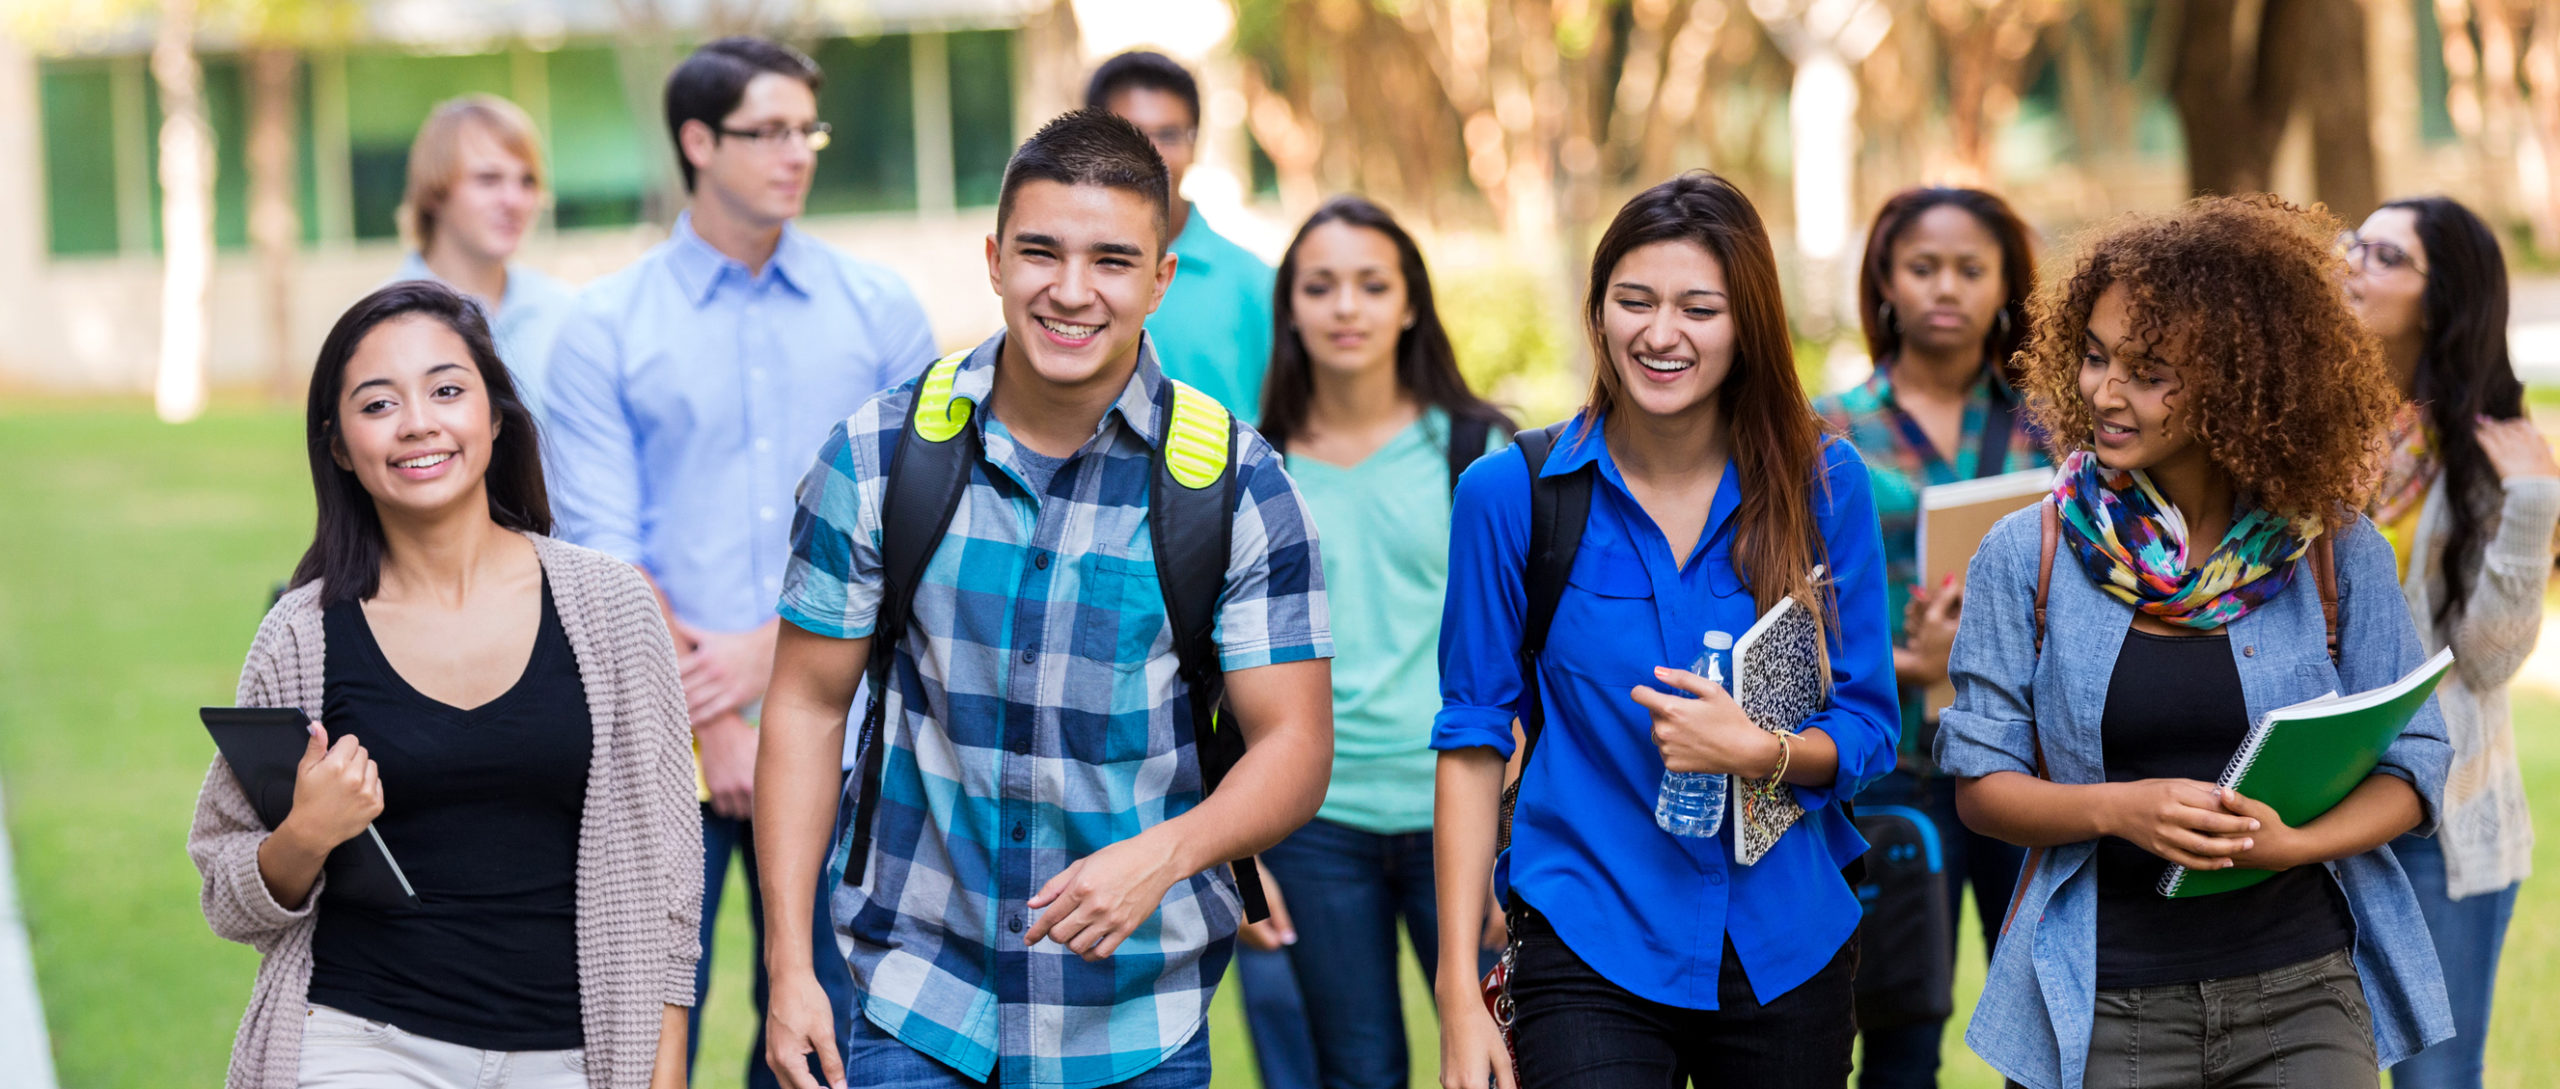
{"points": [[2303, 759]]}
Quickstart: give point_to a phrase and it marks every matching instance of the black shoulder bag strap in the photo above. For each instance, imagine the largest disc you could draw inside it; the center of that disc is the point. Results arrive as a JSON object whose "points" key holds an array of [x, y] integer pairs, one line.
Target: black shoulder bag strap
{"points": [[1558, 508], [1467, 436], [926, 478], [1992, 457], [1191, 527]]}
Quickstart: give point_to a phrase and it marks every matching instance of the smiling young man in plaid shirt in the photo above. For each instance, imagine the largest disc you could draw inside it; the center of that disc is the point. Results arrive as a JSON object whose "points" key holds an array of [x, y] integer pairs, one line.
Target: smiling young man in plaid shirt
{"points": [[1045, 904]]}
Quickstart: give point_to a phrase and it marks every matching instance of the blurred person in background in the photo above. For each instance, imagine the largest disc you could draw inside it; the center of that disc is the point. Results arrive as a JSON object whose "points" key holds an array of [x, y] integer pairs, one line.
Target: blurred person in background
{"points": [[689, 391], [1213, 331], [475, 189], [1365, 399], [2469, 499], [502, 709], [1942, 294]]}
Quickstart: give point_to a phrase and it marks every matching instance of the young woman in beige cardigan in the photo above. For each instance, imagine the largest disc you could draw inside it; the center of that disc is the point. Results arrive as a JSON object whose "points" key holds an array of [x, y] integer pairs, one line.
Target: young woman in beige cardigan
{"points": [[503, 709]]}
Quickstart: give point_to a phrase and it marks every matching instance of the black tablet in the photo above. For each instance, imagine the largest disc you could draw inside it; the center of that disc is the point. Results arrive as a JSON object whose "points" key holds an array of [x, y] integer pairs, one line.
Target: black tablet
{"points": [[264, 746]]}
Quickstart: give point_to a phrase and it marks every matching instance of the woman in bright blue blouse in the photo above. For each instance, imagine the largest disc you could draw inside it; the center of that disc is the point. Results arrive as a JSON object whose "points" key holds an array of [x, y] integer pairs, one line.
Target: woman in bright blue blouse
{"points": [[1645, 959]]}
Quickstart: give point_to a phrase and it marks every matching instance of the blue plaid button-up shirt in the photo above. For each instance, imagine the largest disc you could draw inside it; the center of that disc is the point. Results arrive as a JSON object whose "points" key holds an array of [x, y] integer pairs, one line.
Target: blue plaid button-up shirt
{"points": [[1034, 717]]}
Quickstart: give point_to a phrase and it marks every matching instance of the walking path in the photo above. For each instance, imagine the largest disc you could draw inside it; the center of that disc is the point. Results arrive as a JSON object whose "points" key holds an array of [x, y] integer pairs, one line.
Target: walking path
{"points": [[24, 1047]]}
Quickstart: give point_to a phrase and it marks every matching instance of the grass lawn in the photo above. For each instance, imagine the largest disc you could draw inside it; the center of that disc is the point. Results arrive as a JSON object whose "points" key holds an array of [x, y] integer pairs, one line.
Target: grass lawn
{"points": [[135, 559]]}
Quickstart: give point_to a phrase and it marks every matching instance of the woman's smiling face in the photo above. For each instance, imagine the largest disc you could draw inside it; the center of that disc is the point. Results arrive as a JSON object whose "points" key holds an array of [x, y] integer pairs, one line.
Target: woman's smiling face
{"points": [[2132, 395], [1669, 327]]}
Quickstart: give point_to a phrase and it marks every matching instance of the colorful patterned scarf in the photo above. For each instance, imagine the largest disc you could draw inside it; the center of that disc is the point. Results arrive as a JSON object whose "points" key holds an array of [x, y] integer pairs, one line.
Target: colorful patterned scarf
{"points": [[2412, 468], [2133, 543]]}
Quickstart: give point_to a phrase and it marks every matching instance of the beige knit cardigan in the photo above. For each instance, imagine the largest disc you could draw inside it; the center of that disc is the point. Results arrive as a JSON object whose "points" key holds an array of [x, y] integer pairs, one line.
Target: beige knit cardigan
{"points": [[639, 838]]}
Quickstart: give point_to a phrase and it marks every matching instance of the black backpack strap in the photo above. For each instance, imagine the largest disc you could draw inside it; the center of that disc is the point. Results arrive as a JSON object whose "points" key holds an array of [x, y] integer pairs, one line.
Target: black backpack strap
{"points": [[1992, 457], [1467, 436], [1558, 508], [1190, 518], [927, 473]]}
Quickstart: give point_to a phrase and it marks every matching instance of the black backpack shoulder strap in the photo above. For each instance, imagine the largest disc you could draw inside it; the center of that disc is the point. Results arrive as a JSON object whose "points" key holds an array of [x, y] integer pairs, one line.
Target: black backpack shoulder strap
{"points": [[1191, 504], [937, 450], [1558, 508], [1467, 436]]}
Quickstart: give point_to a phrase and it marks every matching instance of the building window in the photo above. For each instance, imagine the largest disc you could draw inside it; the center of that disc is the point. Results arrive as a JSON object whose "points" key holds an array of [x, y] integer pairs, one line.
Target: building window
{"points": [[78, 103], [982, 135], [600, 155], [870, 99]]}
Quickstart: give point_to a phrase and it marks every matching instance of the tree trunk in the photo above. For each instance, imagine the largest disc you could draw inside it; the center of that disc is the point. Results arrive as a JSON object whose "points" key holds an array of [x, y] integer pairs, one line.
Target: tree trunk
{"points": [[2234, 104], [2339, 94], [275, 224], [186, 214]]}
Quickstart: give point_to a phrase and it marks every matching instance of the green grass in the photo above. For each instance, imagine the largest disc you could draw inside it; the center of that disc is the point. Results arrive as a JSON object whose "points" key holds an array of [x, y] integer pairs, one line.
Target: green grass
{"points": [[135, 559]]}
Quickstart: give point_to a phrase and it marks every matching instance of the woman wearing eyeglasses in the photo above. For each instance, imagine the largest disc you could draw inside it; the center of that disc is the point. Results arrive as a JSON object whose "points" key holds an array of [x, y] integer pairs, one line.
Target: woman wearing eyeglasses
{"points": [[2469, 499]]}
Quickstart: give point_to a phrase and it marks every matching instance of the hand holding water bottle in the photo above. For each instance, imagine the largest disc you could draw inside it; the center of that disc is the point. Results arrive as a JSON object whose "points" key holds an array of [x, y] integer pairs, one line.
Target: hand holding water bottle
{"points": [[1704, 737]]}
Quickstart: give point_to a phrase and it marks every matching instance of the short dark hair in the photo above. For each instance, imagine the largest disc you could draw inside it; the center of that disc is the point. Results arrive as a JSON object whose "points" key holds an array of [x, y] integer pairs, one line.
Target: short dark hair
{"points": [[1091, 146], [1142, 69], [708, 85], [345, 556]]}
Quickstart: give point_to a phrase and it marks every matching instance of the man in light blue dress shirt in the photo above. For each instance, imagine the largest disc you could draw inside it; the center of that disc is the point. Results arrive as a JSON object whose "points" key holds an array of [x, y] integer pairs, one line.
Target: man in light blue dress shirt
{"points": [[475, 189], [689, 392]]}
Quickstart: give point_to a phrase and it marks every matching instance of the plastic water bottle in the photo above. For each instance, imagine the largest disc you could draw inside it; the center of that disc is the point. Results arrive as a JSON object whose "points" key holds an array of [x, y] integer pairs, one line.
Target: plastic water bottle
{"points": [[1692, 802]]}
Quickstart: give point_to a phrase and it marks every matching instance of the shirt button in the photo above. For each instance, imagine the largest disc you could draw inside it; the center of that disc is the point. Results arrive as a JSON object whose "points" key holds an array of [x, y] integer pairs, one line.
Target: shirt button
{"points": [[765, 513], [1014, 924], [755, 373], [1018, 833], [764, 444], [1040, 560], [1028, 655], [2249, 652], [1715, 879]]}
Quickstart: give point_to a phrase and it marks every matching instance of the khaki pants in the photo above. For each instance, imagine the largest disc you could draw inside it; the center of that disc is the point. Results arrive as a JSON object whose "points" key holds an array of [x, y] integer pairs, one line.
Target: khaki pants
{"points": [[343, 1051], [2302, 1025]]}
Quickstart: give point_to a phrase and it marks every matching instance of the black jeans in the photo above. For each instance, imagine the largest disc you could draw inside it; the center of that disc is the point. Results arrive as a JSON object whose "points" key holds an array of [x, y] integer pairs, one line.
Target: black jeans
{"points": [[1578, 1030]]}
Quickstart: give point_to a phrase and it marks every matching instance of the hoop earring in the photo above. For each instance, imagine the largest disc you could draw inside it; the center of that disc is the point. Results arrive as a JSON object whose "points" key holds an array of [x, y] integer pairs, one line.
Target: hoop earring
{"points": [[1885, 318], [2000, 332]]}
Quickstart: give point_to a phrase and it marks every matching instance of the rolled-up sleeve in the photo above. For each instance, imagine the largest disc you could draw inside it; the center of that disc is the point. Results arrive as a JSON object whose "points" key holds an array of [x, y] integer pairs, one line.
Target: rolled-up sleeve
{"points": [[2378, 644], [1864, 717], [832, 585], [1480, 619], [592, 450], [1991, 727]]}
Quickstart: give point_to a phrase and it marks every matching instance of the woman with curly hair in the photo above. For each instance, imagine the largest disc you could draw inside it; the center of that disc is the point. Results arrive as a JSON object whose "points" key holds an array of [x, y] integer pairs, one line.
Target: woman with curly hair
{"points": [[2469, 498], [2216, 409]]}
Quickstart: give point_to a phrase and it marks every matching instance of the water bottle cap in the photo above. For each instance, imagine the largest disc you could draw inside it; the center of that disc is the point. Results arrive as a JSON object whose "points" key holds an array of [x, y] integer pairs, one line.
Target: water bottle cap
{"points": [[1717, 640]]}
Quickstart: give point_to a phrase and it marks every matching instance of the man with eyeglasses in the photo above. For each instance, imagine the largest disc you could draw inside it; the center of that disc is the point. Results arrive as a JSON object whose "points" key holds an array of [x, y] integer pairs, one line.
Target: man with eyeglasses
{"points": [[1214, 327], [688, 392]]}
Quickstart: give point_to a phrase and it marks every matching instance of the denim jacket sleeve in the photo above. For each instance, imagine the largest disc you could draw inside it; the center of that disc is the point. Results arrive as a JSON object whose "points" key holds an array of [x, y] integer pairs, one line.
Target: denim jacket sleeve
{"points": [[1992, 725], [2377, 645]]}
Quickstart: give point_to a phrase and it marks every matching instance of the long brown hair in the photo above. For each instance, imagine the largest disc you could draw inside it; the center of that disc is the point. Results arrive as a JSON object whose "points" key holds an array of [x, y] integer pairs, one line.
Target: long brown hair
{"points": [[1775, 437], [1426, 363], [2017, 269]]}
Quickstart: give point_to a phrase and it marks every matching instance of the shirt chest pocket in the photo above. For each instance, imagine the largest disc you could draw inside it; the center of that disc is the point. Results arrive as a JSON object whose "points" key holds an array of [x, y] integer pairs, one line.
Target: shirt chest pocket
{"points": [[1119, 613], [1605, 626]]}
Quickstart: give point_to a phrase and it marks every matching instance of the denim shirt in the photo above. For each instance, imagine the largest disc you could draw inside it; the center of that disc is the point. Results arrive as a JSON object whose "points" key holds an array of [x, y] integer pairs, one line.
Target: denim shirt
{"points": [[2034, 1019]]}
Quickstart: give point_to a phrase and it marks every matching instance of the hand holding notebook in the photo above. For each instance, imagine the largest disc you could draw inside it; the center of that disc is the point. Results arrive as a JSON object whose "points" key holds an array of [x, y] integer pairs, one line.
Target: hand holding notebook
{"points": [[267, 748], [2304, 759]]}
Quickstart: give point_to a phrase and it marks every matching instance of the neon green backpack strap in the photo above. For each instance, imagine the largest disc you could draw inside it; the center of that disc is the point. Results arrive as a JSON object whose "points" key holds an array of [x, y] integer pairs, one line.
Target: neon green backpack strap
{"points": [[1196, 446], [939, 413]]}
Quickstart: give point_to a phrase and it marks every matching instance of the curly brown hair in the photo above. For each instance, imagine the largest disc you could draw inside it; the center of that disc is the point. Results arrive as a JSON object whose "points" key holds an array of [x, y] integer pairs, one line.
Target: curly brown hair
{"points": [[2242, 296]]}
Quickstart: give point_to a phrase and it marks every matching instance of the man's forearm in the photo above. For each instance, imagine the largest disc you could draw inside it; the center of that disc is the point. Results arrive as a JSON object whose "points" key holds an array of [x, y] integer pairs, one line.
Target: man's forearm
{"points": [[1274, 789], [797, 782]]}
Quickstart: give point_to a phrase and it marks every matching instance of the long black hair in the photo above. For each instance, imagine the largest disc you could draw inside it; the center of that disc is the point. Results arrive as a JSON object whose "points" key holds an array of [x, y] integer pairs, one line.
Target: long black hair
{"points": [[1426, 363], [2017, 269], [2463, 371], [346, 545]]}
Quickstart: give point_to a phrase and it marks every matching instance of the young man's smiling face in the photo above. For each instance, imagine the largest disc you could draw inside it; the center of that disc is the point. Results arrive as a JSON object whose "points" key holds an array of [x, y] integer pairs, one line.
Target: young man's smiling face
{"points": [[1079, 268]]}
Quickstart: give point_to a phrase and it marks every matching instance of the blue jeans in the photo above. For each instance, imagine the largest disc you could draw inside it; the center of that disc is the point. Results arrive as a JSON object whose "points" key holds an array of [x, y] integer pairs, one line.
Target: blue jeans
{"points": [[1906, 1056], [2468, 933], [721, 836], [873, 1059], [1345, 890], [1275, 1017]]}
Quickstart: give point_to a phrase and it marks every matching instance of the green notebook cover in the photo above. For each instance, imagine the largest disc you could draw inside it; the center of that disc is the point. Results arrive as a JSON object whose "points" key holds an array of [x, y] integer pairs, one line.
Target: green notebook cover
{"points": [[2303, 759]]}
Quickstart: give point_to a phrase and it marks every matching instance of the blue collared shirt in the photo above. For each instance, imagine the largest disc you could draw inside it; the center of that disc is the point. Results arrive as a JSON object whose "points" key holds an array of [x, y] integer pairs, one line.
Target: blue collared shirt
{"points": [[1213, 329], [1648, 910], [527, 319], [688, 394], [2038, 1003], [1034, 717]]}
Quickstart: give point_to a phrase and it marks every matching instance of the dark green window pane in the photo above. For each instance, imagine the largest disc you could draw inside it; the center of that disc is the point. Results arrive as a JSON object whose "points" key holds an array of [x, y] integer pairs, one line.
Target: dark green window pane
{"points": [[79, 157], [981, 113], [599, 156], [870, 99], [226, 110]]}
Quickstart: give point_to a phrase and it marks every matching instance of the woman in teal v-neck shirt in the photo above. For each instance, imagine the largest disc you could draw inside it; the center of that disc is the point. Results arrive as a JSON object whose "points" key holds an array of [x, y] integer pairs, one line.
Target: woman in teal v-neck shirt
{"points": [[1365, 397]]}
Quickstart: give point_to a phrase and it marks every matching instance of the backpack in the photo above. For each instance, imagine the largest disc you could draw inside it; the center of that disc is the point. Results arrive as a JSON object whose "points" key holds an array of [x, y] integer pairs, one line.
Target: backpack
{"points": [[1191, 499], [2324, 574], [1908, 974]]}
